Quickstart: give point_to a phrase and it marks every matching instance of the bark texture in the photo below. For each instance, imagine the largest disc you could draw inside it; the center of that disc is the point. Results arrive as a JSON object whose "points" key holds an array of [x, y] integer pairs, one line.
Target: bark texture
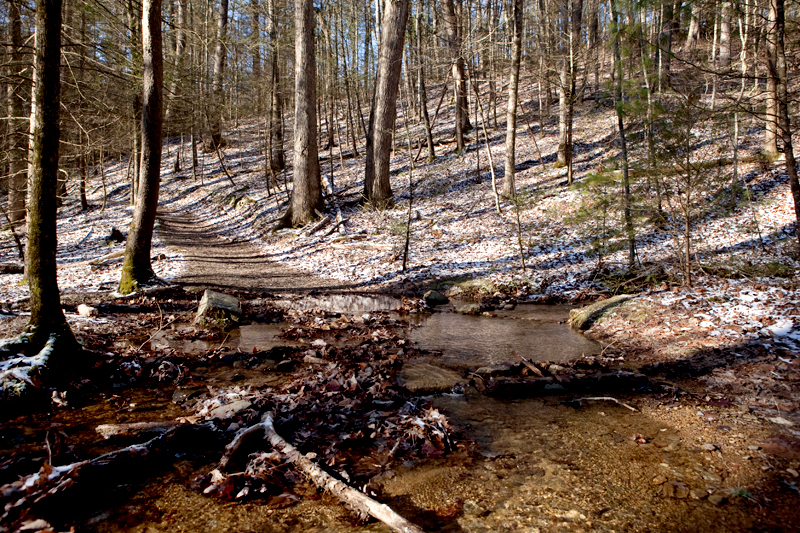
{"points": [[218, 97], [307, 191], [137, 269], [377, 188], [511, 115], [47, 319], [18, 139]]}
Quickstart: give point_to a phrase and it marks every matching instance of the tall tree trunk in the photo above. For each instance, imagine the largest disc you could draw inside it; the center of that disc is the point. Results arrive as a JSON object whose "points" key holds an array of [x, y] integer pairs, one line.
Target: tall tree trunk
{"points": [[377, 188], [725, 35], [47, 319], [217, 95], [771, 118], [779, 33], [18, 138], [692, 35], [255, 47], [509, 189], [277, 161], [180, 51], [454, 42], [626, 186], [571, 22], [136, 268], [307, 191], [423, 94]]}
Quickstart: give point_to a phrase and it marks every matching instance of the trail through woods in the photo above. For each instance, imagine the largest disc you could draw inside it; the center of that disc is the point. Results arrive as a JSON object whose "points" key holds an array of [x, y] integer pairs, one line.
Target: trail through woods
{"points": [[212, 261]]}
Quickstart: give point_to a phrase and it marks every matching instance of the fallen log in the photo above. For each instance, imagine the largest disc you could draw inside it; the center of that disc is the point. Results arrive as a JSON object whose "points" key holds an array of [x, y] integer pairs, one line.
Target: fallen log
{"points": [[355, 499], [135, 428]]}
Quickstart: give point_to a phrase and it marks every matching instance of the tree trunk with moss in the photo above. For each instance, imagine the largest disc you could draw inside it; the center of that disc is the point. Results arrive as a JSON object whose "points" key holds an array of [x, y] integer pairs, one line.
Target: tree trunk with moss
{"points": [[137, 269], [47, 319]]}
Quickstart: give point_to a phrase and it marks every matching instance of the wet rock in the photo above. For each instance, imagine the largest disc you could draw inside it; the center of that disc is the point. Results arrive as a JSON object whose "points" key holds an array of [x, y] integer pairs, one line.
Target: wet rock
{"points": [[434, 298], [425, 377], [87, 310], [181, 396], [287, 365], [468, 309], [493, 370], [218, 309], [227, 411], [585, 317]]}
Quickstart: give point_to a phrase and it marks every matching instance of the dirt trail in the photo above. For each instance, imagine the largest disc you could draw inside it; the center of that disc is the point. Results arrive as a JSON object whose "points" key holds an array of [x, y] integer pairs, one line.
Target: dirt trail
{"points": [[221, 263]]}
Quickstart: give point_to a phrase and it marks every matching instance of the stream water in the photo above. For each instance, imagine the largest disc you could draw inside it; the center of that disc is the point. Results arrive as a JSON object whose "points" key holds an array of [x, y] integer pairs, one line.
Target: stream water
{"points": [[542, 466]]}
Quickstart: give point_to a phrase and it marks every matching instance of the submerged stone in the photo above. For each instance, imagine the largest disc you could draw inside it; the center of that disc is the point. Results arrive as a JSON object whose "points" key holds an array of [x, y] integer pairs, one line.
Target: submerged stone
{"points": [[434, 298], [218, 309]]}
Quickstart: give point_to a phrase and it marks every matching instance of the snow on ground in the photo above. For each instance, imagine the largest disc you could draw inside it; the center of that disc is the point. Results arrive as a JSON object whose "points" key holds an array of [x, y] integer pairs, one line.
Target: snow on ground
{"points": [[456, 231]]}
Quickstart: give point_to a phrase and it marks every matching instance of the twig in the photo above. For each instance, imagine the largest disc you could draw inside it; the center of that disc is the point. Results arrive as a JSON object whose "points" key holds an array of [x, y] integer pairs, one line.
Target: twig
{"points": [[608, 399]]}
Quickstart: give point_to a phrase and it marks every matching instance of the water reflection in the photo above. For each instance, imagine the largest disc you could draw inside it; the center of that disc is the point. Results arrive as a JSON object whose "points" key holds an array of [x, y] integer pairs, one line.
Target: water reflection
{"points": [[537, 332]]}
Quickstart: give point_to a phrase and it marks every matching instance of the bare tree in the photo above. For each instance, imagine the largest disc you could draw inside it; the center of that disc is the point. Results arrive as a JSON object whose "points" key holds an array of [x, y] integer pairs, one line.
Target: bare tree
{"points": [[377, 188], [276, 160], [47, 322], [17, 181], [217, 100], [307, 192], [137, 269], [777, 31], [513, 90]]}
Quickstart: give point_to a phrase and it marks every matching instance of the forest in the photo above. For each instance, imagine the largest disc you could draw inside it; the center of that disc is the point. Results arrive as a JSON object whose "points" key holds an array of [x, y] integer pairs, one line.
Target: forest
{"points": [[470, 265]]}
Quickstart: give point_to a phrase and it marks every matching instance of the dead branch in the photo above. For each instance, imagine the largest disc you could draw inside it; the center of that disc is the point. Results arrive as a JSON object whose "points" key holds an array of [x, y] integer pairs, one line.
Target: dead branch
{"points": [[136, 428], [355, 499], [609, 399]]}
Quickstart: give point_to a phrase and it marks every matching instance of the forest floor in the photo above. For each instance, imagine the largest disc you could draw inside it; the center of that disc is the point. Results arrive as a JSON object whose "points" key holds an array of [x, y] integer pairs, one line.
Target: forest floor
{"points": [[711, 369]]}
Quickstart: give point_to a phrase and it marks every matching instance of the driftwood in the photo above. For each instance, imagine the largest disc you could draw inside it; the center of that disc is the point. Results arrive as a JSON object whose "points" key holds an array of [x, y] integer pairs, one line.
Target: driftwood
{"points": [[136, 428], [608, 399], [355, 499]]}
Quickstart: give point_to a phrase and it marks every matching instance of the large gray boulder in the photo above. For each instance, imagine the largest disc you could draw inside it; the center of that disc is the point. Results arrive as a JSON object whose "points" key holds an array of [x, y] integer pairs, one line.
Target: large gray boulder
{"points": [[218, 309]]}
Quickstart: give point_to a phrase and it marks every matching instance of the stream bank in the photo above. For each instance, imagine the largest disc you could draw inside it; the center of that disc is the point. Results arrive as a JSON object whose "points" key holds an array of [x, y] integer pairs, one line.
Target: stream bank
{"points": [[690, 458]]}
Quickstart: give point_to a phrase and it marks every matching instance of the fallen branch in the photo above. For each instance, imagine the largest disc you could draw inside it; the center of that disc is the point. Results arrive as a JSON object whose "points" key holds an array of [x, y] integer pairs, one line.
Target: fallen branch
{"points": [[318, 226], [356, 499], [608, 399], [336, 226], [136, 428]]}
